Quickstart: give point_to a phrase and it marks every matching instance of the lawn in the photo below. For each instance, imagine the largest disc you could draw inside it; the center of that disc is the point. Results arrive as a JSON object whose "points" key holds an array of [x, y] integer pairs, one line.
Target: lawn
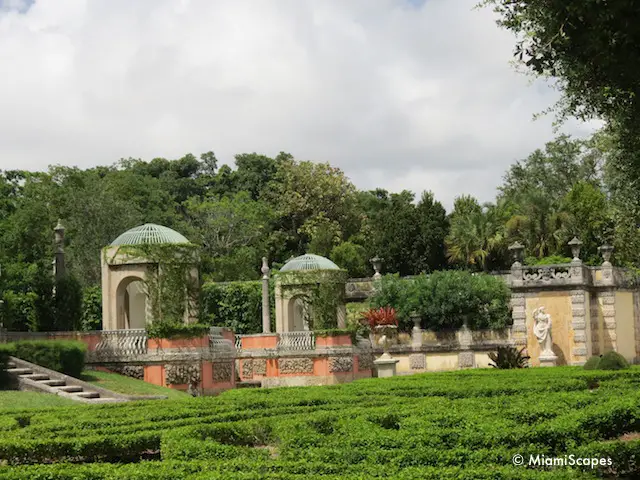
{"points": [[127, 385], [14, 399], [451, 425]]}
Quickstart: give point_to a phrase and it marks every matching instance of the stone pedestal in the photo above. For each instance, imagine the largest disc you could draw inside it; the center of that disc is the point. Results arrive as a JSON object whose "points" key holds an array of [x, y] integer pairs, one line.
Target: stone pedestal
{"points": [[386, 366], [548, 359]]}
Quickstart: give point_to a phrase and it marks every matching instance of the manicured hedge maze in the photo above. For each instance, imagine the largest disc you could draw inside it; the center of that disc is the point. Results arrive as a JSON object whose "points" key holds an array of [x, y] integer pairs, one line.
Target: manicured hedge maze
{"points": [[453, 425]]}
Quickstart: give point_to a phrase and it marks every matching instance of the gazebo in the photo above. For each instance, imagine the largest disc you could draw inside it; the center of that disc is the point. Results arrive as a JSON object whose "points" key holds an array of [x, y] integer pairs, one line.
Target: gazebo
{"points": [[309, 293], [138, 269]]}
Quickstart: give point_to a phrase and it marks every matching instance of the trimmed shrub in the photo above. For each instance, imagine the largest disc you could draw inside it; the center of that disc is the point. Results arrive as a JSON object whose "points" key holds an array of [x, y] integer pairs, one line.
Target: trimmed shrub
{"points": [[592, 363], [63, 356], [509, 357], [173, 330], [612, 361]]}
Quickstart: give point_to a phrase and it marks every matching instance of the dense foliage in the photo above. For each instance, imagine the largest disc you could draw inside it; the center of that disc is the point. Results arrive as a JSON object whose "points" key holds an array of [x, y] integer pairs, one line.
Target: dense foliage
{"points": [[177, 330], [235, 305], [454, 425], [63, 356], [447, 300], [612, 361]]}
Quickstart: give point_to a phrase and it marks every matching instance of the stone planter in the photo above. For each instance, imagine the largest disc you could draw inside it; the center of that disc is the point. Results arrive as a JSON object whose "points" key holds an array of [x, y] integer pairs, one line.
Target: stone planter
{"points": [[165, 343], [337, 340]]}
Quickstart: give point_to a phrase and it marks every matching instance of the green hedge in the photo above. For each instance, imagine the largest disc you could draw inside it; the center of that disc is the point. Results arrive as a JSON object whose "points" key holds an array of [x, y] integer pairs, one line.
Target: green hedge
{"points": [[65, 356], [235, 305], [446, 299], [172, 330]]}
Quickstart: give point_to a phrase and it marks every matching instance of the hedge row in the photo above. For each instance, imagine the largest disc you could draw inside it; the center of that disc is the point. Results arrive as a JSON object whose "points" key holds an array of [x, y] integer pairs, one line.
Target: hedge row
{"points": [[466, 424], [65, 356]]}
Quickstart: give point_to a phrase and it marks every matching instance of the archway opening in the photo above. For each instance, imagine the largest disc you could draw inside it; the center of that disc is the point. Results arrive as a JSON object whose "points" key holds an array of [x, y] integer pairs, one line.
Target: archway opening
{"points": [[299, 313], [131, 304]]}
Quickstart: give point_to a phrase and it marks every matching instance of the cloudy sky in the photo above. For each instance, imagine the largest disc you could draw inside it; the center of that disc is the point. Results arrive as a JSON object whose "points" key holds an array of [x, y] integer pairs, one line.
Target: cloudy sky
{"points": [[398, 93]]}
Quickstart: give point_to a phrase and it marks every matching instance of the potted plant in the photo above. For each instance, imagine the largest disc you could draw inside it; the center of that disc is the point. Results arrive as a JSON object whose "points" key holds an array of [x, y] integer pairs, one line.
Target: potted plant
{"points": [[383, 321]]}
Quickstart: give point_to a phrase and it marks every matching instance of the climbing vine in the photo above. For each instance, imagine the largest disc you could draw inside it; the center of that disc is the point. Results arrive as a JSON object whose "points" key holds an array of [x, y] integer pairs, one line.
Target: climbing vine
{"points": [[321, 291], [170, 287]]}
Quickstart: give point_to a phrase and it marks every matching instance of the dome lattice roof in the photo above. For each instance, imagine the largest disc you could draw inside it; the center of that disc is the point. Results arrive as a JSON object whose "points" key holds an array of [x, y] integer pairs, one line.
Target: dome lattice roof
{"points": [[309, 261], [149, 233]]}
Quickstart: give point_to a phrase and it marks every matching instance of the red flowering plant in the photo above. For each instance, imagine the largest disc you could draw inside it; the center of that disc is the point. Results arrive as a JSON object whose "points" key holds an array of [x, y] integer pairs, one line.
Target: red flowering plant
{"points": [[383, 316]]}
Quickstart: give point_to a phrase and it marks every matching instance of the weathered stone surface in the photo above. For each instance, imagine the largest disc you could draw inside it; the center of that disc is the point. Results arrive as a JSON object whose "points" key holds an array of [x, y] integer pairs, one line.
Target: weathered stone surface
{"points": [[577, 312], [133, 371], [418, 361], [181, 374], [519, 327], [520, 341], [295, 365], [259, 366], [579, 351], [222, 371], [578, 324], [365, 361], [518, 300], [580, 338], [247, 368], [340, 364], [466, 359]]}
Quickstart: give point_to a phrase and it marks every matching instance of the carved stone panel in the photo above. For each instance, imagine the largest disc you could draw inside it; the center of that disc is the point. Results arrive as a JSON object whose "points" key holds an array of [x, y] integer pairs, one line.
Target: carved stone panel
{"points": [[417, 361], [295, 365], [259, 366], [247, 368], [133, 371], [222, 371], [365, 361], [181, 374], [466, 359], [340, 364]]}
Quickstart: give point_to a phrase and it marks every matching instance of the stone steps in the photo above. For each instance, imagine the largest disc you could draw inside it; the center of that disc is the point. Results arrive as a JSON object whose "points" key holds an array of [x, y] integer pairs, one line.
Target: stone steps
{"points": [[34, 377]]}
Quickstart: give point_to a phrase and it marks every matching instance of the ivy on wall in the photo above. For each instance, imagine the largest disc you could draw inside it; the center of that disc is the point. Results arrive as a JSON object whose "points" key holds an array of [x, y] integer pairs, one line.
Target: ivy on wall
{"points": [[321, 291], [169, 285]]}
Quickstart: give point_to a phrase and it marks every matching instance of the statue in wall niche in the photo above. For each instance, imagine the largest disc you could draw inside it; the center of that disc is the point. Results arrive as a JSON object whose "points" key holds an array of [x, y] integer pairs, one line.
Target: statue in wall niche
{"points": [[542, 331]]}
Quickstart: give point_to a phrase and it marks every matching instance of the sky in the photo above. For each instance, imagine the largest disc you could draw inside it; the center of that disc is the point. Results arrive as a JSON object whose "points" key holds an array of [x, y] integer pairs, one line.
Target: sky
{"points": [[400, 94]]}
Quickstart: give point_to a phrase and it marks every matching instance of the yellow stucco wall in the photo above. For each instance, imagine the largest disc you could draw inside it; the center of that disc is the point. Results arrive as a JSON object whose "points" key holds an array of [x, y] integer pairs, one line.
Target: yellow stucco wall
{"points": [[625, 328], [558, 305], [482, 359]]}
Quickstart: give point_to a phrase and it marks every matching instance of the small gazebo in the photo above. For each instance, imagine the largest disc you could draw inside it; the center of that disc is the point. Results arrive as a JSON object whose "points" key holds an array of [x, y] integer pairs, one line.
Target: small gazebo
{"points": [[309, 293], [137, 262]]}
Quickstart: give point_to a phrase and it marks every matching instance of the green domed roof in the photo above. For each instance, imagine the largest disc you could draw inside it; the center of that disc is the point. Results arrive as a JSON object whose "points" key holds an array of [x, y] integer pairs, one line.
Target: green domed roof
{"points": [[309, 261], [149, 233]]}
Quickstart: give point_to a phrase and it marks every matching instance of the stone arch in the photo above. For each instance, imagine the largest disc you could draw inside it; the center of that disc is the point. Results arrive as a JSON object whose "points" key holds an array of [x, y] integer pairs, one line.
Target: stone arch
{"points": [[296, 306], [131, 303]]}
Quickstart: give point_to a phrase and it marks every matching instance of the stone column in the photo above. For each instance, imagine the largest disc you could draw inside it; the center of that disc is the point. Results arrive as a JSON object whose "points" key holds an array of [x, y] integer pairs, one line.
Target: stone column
{"points": [[581, 348], [519, 315], [266, 312], [517, 251], [58, 264], [610, 340]]}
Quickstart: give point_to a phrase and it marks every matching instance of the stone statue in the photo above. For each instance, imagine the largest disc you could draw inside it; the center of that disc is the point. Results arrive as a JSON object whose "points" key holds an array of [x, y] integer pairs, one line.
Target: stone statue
{"points": [[542, 331]]}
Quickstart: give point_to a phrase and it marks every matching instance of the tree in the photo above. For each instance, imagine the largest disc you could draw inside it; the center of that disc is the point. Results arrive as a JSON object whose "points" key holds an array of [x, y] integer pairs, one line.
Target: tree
{"points": [[353, 258], [432, 229]]}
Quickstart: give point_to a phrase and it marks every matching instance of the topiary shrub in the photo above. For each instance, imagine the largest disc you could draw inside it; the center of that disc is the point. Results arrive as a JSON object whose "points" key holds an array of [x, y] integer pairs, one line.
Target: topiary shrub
{"points": [[592, 363], [63, 356], [612, 361]]}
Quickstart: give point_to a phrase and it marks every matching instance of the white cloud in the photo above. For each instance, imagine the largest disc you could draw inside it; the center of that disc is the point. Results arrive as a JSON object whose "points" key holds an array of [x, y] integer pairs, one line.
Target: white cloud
{"points": [[398, 96]]}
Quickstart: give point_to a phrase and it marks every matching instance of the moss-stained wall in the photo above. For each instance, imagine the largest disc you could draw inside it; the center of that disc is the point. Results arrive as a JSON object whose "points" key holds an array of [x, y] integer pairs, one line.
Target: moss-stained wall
{"points": [[558, 305]]}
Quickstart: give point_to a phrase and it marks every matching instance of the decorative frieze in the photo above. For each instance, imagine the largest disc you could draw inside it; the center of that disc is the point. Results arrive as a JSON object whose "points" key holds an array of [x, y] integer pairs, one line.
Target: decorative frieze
{"points": [[295, 365], [417, 361], [181, 374], [467, 359], [365, 361], [247, 368], [222, 371], [340, 364], [259, 366], [133, 371]]}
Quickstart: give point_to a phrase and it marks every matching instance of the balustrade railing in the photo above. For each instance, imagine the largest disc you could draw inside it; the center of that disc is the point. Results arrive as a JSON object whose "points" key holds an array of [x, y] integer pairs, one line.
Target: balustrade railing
{"points": [[122, 342], [296, 341], [238, 342]]}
